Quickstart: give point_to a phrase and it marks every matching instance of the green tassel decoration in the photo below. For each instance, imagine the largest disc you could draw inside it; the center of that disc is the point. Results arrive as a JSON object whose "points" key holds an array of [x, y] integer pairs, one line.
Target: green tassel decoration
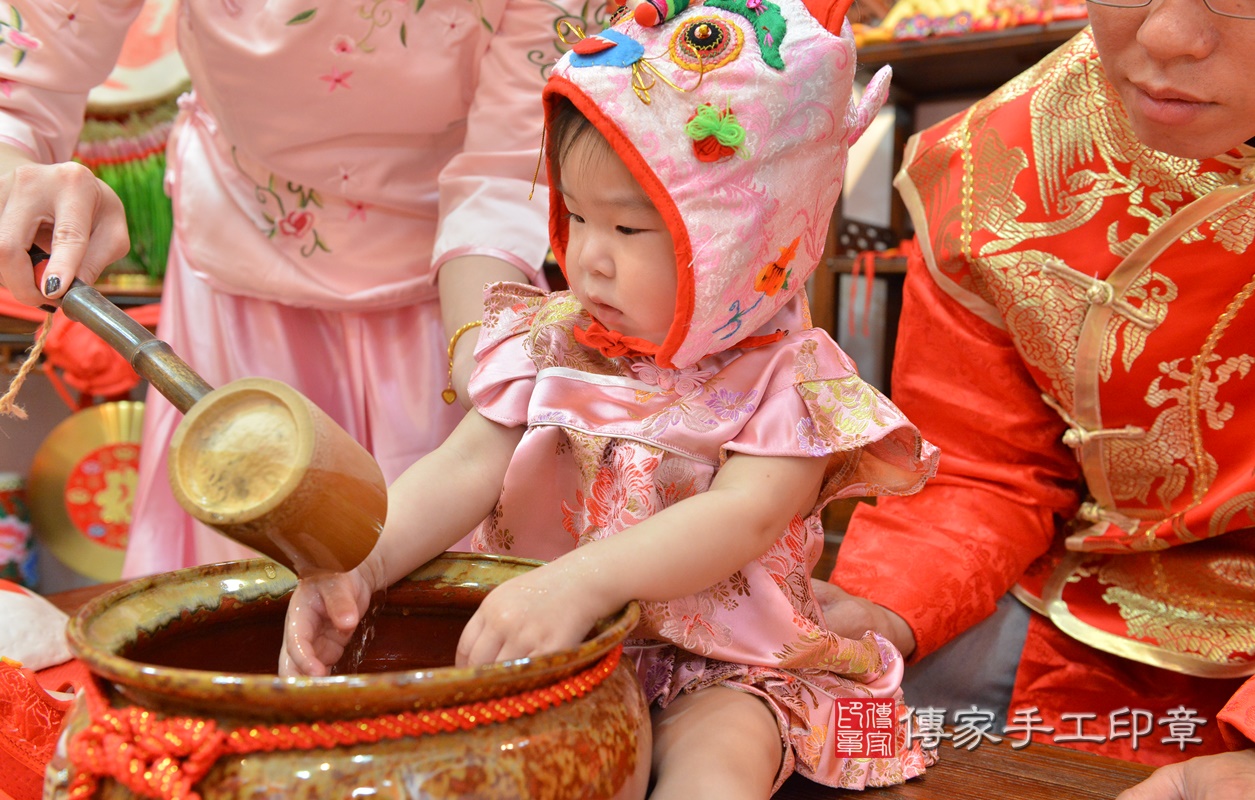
{"points": [[129, 154]]}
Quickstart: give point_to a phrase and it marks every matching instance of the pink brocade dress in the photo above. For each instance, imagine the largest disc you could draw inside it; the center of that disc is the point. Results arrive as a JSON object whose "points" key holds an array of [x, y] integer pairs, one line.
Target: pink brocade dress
{"points": [[611, 441]]}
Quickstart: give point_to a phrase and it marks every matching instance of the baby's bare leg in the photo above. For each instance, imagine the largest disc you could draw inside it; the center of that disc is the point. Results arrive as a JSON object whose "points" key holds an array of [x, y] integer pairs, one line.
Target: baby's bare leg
{"points": [[716, 743]]}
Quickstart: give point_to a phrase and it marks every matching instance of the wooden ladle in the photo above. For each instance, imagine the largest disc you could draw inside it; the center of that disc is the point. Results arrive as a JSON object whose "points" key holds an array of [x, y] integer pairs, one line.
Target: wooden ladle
{"points": [[255, 459]]}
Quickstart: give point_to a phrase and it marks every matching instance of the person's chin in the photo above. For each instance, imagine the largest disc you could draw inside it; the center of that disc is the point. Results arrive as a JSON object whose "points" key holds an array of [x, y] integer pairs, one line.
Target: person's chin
{"points": [[1178, 128]]}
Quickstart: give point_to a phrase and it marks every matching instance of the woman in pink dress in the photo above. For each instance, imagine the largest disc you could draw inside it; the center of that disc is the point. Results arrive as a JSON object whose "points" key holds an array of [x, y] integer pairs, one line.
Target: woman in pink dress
{"points": [[668, 430], [346, 177]]}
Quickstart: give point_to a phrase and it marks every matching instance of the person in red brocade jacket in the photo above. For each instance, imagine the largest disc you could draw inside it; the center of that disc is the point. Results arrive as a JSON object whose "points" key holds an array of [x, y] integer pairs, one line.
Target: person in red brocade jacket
{"points": [[1078, 337]]}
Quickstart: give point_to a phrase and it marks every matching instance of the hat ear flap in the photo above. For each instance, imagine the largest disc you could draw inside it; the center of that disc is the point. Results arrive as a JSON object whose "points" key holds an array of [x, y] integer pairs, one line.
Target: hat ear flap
{"points": [[860, 115]]}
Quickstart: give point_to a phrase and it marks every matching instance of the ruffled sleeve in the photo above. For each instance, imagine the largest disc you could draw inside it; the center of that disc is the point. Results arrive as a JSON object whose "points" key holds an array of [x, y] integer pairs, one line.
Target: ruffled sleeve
{"points": [[53, 54], [816, 405], [501, 385]]}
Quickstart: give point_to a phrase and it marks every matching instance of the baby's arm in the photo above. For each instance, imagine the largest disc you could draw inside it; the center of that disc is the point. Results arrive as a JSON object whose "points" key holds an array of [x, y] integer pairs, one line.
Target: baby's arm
{"points": [[444, 495], [431, 506], [679, 551]]}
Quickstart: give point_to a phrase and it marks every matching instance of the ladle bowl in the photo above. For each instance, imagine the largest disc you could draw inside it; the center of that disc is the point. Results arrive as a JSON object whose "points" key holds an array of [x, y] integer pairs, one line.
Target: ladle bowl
{"points": [[254, 459], [259, 462], [204, 643]]}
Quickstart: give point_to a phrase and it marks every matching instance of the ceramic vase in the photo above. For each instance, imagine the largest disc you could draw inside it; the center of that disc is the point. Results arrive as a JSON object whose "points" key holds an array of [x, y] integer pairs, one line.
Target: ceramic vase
{"points": [[203, 643]]}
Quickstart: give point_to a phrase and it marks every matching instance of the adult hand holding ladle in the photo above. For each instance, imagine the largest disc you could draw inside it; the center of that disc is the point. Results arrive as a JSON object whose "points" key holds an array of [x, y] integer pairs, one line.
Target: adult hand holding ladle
{"points": [[254, 459]]}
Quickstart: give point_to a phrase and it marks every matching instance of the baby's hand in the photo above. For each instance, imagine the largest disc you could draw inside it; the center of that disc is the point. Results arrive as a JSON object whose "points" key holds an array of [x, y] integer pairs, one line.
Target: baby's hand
{"points": [[322, 616], [533, 614]]}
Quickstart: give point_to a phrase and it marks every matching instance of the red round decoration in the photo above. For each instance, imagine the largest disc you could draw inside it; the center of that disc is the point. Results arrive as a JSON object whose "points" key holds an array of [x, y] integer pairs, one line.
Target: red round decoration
{"points": [[99, 493]]}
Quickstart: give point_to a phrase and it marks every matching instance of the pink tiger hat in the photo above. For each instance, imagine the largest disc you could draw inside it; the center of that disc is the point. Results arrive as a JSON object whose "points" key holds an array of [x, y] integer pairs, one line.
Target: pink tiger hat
{"points": [[736, 117]]}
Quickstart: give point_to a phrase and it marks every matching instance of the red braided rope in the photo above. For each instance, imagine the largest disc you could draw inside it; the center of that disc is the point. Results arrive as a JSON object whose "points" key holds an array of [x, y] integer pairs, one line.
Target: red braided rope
{"points": [[164, 758]]}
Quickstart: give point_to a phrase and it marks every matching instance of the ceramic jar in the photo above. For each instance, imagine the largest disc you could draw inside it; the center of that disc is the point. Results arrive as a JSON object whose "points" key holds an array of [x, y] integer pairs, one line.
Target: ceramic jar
{"points": [[201, 646]]}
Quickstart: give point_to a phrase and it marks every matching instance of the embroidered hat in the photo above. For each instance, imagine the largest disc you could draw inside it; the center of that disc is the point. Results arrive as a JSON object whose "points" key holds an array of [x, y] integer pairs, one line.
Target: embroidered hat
{"points": [[735, 117]]}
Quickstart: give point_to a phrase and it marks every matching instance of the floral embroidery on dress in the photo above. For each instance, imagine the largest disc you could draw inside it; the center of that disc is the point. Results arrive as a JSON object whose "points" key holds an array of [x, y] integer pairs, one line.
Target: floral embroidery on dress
{"points": [[11, 33], [380, 15], [619, 478], [621, 492], [575, 517], [845, 410], [810, 439], [677, 479], [491, 537], [727, 591], [1235, 227], [70, 17], [296, 223], [691, 622], [680, 381], [508, 313], [686, 411], [336, 79], [731, 405]]}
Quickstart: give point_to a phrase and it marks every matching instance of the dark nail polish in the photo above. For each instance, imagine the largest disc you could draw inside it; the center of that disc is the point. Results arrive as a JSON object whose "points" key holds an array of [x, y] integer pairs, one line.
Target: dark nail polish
{"points": [[49, 309], [52, 284]]}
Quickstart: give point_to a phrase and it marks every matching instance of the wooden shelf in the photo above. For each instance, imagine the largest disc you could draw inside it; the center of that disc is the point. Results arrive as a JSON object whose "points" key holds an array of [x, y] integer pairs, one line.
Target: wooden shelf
{"points": [[969, 64]]}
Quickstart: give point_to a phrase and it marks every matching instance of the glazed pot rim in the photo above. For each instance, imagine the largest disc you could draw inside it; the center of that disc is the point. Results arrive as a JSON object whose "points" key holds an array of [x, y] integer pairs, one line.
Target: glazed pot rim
{"points": [[109, 623]]}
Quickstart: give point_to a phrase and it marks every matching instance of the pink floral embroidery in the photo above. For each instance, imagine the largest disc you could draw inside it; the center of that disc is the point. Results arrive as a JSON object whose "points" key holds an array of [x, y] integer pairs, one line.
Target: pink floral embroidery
{"points": [[6, 87], [491, 537], [296, 223], [574, 520], [620, 491], [675, 480], [692, 415], [69, 18], [337, 79], [691, 622], [681, 381], [11, 34], [357, 210], [342, 44], [787, 552], [810, 439], [731, 405], [19, 39], [379, 15]]}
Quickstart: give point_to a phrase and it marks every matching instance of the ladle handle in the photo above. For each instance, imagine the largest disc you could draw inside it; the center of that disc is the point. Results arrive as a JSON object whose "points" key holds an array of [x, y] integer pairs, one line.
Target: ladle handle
{"points": [[149, 356]]}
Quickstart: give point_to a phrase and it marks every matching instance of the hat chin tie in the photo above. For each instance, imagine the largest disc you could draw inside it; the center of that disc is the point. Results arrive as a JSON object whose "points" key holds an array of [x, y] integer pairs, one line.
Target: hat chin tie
{"points": [[613, 344]]}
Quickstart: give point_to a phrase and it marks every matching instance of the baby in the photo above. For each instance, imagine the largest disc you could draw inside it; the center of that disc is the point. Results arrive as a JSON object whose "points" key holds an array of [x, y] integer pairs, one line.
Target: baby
{"points": [[669, 429]]}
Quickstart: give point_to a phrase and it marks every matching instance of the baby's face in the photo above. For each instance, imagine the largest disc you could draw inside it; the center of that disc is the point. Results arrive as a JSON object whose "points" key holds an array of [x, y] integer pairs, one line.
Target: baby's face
{"points": [[620, 260]]}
